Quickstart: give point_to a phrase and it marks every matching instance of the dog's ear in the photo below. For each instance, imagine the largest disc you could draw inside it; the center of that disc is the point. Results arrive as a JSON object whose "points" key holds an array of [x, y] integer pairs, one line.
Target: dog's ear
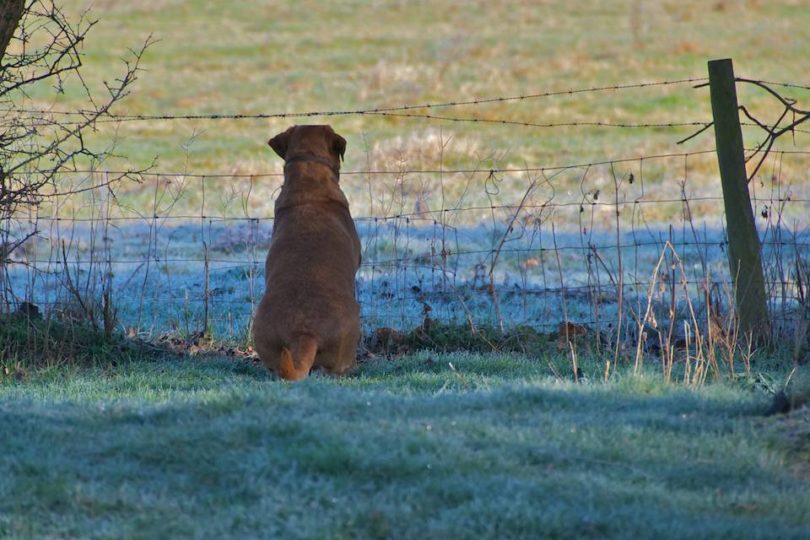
{"points": [[279, 143], [339, 145]]}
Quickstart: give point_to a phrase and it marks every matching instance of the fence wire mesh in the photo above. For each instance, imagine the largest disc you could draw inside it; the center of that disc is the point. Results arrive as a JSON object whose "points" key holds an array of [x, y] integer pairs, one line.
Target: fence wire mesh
{"points": [[505, 246]]}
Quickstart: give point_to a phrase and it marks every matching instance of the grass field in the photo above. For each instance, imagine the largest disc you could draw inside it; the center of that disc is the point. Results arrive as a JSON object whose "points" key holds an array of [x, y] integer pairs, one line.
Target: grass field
{"points": [[273, 57], [432, 445]]}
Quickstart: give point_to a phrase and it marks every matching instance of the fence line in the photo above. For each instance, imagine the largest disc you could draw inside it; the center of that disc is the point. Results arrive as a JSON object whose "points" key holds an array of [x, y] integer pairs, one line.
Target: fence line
{"points": [[376, 110], [783, 84], [448, 253], [523, 256], [424, 215], [489, 170]]}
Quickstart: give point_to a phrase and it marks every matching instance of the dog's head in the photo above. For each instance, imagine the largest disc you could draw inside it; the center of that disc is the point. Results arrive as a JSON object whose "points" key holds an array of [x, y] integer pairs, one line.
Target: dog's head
{"points": [[316, 143]]}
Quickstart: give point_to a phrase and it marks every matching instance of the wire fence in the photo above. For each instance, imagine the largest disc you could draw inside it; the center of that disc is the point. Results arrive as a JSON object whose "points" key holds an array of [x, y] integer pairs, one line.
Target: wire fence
{"points": [[535, 246]]}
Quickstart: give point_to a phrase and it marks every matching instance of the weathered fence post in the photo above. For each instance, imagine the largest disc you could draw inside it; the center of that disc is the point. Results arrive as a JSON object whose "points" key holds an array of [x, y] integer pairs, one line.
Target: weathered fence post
{"points": [[744, 250]]}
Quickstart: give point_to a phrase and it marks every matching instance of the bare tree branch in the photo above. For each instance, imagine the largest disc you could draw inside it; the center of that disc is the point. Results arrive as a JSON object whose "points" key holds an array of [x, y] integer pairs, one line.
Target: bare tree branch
{"points": [[35, 150], [775, 130]]}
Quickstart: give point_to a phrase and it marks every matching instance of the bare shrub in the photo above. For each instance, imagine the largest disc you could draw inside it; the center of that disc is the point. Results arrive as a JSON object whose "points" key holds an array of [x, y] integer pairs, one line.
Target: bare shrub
{"points": [[42, 55]]}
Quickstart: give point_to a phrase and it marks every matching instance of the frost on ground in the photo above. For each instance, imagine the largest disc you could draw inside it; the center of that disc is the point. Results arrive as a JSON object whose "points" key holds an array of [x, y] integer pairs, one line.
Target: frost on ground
{"points": [[536, 247], [412, 268]]}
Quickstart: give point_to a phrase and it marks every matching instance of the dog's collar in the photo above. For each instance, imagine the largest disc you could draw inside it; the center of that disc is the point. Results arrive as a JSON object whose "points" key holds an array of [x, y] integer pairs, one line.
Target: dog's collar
{"points": [[315, 159]]}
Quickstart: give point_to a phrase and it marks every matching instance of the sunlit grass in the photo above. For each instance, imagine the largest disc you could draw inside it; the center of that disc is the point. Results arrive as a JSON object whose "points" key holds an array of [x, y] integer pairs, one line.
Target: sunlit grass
{"points": [[299, 56]]}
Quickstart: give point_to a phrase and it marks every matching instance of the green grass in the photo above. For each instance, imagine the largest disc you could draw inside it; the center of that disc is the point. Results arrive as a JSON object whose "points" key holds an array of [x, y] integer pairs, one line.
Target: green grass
{"points": [[251, 57], [31, 343], [493, 448]]}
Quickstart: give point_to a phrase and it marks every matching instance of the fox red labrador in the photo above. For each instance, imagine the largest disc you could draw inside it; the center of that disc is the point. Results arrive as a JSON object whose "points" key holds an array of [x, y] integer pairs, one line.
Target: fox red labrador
{"points": [[309, 316]]}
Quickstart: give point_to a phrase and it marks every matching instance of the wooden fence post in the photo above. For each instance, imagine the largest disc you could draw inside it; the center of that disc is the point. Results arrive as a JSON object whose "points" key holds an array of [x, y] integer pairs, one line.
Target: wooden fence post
{"points": [[744, 250]]}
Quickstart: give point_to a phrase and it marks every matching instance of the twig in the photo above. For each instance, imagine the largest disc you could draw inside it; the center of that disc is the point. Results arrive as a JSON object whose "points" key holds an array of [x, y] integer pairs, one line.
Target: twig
{"points": [[695, 134], [774, 131]]}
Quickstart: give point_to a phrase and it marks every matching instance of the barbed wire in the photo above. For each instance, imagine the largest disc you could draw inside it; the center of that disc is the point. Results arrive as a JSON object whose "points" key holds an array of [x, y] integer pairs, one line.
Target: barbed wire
{"points": [[704, 125], [546, 125], [776, 83], [375, 110], [752, 124], [624, 125]]}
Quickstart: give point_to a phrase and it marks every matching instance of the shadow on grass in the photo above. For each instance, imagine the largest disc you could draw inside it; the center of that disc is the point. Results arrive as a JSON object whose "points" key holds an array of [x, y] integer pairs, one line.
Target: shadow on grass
{"points": [[218, 447]]}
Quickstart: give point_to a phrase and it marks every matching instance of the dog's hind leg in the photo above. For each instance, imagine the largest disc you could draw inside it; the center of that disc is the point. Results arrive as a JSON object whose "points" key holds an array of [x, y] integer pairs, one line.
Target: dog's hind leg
{"points": [[297, 360], [345, 359]]}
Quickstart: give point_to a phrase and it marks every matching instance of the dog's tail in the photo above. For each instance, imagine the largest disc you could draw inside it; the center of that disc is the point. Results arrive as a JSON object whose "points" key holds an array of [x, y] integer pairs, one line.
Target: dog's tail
{"points": [[297, 360]]}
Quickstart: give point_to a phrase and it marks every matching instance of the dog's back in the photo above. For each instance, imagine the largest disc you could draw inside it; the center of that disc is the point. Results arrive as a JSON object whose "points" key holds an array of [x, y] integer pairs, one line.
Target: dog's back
{"points": [[309, 315]]}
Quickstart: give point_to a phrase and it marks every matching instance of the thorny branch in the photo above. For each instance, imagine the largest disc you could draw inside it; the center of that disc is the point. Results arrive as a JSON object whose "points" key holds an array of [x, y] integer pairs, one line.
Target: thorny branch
{"points": [[46, 48], [799, 116]]}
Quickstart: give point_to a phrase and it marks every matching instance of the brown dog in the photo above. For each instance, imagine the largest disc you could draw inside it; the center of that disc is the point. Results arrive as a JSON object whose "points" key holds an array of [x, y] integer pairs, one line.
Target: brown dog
{"points": [[309, 315]]}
